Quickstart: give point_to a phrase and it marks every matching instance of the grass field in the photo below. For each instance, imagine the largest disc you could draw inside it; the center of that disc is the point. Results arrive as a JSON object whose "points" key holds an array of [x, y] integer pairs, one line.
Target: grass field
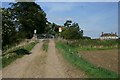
{"points": [[70, 53], [18, 52]]}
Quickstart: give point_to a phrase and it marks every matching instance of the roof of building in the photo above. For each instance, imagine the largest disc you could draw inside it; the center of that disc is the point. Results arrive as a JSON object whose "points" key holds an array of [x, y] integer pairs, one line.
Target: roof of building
{"points": [[109, 34]]}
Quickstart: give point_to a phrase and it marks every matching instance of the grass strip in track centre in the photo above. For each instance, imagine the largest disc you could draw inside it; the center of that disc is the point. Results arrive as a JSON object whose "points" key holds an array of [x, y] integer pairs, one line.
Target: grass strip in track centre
{"points": [[12, 56], [45, 45], [93, 71]]}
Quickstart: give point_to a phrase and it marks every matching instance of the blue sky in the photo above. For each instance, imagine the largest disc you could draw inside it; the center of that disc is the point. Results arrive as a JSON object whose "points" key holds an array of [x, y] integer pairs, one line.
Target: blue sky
{"points": [[93, 17]]}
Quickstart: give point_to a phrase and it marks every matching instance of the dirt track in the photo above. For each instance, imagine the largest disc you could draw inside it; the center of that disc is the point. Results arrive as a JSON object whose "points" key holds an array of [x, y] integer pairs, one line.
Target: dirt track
{"points": [[21, 67], [42, 64], [54, 68]]}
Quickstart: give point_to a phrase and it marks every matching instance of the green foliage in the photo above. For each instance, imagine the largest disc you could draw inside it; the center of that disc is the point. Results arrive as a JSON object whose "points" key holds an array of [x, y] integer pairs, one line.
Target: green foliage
{"points": [[28, 16], [86, 37], [72, 31], [8, 29], [68, 23], [71, 55], [30, 45], [52, 29], [19, 22], [7, 60], [91, 44]]}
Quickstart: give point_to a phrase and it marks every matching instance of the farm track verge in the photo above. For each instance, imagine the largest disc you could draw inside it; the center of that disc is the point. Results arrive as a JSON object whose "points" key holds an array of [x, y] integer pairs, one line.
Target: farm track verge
{"points": [[19, 67], [17, 53]]}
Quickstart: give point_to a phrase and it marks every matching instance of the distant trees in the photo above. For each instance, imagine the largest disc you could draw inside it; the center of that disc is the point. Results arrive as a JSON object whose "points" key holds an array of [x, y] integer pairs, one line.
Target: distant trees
{"points": [[86, 37], [21, 19], [72, 31], [52, 28]]}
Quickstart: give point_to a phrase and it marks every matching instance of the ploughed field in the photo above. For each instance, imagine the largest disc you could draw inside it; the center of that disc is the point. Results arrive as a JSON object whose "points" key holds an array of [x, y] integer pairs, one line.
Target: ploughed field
{"points": [[102, 58]]}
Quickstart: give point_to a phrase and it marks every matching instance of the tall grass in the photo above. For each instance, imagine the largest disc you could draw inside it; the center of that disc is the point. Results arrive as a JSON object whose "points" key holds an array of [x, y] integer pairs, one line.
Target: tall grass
{"points": [[12, 56], [71, 55]]}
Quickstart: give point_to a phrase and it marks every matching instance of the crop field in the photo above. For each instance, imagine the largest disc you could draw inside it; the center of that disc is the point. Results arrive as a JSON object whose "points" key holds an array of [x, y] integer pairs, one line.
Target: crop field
{"points": [[100, 53], [97, 58]]}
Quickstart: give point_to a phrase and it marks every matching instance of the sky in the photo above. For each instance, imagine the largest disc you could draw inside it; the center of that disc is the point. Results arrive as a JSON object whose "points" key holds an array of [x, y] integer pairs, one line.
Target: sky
{"points": [[63, 0], [92, 17]]}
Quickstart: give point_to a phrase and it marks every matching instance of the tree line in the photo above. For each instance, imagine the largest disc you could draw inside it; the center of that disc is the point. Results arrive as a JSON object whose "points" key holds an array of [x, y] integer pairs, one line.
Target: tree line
{"points": [[21, 19]]}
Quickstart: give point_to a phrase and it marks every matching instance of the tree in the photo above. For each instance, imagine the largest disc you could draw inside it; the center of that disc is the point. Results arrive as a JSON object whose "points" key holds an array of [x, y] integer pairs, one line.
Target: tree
{"points": [[8, 29], [68, 23], [72, 31], [29, 16], [20, 20], [86, 37], [52, 28]]}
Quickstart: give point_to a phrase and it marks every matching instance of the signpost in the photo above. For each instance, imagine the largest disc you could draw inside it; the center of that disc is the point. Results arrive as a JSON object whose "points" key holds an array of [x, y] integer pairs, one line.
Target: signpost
{"points": [[35, 31], [34, 36], [60, 29]]}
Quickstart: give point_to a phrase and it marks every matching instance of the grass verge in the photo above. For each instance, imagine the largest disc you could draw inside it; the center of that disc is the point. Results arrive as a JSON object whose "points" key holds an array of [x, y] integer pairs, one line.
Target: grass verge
{"points": [[12, 56], [70, 54], [45, 45]]}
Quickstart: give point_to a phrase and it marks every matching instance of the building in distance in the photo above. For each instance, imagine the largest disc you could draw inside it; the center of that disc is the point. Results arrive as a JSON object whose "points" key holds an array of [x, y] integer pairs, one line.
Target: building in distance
{"points": [[108, 36]]}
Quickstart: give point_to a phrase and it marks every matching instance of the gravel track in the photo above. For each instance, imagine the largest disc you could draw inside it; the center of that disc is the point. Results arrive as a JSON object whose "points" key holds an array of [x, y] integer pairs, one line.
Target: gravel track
{"points": [[41, 64]]}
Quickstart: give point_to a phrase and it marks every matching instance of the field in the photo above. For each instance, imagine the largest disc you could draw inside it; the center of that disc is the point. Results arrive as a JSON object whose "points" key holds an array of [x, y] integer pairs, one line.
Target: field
{"points": [[56, 40], [60, 59], [95, 57], [104, 58]]}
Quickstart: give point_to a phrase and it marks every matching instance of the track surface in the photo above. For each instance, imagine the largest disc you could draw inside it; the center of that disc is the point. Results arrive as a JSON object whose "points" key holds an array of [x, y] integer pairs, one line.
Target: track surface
{"points": [[42, 64]]}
